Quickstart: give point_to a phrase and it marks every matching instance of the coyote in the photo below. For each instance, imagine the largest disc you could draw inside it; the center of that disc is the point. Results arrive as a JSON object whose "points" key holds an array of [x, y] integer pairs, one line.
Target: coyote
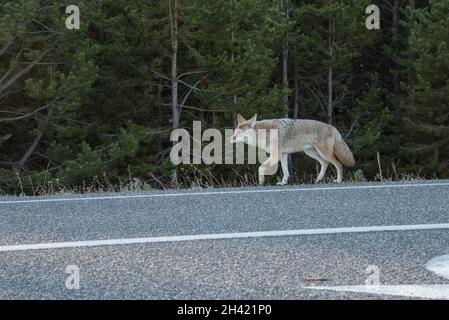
{"points": [[318, 140]]}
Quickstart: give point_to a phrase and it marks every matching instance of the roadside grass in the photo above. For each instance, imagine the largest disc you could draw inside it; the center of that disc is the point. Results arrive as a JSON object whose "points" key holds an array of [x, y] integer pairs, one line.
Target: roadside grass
{"points": [[193, 179]]}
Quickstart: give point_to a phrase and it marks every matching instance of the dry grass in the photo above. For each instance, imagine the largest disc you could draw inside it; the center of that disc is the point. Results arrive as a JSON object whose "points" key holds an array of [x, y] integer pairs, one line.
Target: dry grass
{"points": [[194, 178]]}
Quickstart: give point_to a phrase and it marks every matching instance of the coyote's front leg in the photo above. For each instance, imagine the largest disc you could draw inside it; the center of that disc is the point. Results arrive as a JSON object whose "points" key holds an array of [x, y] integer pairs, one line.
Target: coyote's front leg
{"points": [[261, 176], [286, 175], [268, 164], [262, 168]]}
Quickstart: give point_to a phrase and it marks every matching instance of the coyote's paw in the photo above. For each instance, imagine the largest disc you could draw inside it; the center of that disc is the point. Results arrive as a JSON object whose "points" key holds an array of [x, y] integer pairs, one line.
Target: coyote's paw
{"points": [[337, 181], [281, 183]]}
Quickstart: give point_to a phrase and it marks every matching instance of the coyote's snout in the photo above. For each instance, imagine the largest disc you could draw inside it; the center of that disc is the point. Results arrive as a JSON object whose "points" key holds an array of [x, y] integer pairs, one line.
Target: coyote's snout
{"points": [[318, 140]]}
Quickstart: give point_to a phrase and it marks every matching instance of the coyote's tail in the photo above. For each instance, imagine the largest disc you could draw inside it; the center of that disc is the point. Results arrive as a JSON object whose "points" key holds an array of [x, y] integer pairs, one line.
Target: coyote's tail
{"points": [[342, 151]]}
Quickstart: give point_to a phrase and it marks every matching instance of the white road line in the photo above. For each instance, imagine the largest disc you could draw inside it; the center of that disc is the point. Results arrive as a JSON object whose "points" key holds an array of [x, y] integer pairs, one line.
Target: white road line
{"points": [[207, 193], [429, 291], [220, 236], [438, 265]]}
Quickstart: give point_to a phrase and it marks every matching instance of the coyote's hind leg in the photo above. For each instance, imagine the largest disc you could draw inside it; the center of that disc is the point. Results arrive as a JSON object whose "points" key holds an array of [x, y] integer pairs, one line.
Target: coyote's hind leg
{"points": [[329, 156], [323, 163]]}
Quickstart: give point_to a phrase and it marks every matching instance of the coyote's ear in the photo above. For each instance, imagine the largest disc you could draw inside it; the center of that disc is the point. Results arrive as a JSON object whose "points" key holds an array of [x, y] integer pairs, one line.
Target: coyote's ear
{"points": [[253, 120], [240, 118]]}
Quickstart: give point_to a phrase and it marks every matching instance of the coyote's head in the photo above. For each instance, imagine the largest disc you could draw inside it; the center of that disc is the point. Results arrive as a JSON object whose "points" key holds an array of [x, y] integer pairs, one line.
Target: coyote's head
{"points": [[244, 132]]}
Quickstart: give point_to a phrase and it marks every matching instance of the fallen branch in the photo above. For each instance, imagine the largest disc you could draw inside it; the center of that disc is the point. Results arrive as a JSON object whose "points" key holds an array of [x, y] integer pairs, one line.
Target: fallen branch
{"points": [[27, 115]]}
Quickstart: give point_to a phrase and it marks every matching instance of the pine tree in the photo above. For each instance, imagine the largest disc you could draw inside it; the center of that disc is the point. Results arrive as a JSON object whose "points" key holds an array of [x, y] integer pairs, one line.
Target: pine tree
{"points": [[235, 42], [425, 109]]}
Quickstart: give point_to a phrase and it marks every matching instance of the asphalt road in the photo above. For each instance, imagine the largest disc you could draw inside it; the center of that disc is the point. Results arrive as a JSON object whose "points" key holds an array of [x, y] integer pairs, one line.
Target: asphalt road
{"points": [[238, 244]]}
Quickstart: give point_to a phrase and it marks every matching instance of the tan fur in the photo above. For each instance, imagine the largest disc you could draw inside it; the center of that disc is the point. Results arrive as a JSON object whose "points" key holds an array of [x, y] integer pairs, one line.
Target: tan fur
{"points": [[318, 140], [342, 151]]}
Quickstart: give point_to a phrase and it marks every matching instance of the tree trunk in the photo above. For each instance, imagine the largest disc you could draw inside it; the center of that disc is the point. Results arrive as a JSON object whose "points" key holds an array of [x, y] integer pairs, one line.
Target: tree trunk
{"points": [[234, 96], [21, 163], [159, 114], [6, 81], [396, 13], [173, 8], [296, 93], [285, 77], [284, 8], [330, 75], [330, 105], [173, 12], [411, 58]]}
